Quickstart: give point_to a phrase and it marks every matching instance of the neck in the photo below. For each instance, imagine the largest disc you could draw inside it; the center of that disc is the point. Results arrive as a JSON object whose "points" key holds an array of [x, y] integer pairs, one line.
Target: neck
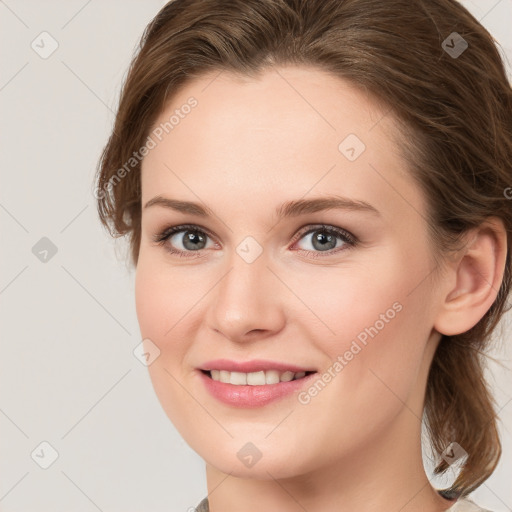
{"points": [[387, 474]]}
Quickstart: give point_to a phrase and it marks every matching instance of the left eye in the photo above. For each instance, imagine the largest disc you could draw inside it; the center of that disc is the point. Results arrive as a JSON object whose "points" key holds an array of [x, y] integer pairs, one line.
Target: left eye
{"points": [[323, 239]]}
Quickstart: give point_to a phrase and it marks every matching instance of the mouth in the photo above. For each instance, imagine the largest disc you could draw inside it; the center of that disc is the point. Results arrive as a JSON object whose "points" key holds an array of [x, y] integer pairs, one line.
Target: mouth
{"points": [[253, 383], [260, 378]]}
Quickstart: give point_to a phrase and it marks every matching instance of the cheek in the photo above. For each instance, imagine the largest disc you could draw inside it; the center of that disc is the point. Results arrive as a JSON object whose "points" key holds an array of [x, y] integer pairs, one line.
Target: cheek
{"points": [[374, 360], [152, 310], [372, 323], [343, 303], [160, 305], [162, 297]]}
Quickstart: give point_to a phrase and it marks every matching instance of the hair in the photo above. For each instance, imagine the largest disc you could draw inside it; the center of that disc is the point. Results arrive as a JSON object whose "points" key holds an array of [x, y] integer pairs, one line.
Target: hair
{"points": [[455, 127]]}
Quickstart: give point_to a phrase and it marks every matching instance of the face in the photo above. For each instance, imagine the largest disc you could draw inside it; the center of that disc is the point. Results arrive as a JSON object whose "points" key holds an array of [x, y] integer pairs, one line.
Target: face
{"points": [[343, 292]]}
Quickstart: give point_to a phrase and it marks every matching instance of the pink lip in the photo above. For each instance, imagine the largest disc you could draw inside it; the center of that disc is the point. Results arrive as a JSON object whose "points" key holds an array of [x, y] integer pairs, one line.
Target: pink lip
{"points": [[252, 396], [256, 365]]}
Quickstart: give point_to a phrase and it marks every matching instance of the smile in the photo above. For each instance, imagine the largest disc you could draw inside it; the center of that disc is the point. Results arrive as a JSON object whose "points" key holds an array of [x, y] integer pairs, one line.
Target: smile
{"points": [[256, 388], [260, 378]]}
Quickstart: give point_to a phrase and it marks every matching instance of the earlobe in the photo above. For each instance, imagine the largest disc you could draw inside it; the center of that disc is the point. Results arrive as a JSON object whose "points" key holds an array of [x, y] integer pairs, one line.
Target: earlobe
{"points": [[478, 274]]}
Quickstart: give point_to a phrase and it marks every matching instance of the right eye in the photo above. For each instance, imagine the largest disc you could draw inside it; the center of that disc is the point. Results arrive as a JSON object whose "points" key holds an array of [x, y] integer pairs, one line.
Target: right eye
{"points": [[191, 238]]}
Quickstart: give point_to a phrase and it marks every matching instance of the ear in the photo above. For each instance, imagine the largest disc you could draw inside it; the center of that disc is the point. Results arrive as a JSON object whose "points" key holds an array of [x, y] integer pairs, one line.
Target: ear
{"points": [[478, 273]]}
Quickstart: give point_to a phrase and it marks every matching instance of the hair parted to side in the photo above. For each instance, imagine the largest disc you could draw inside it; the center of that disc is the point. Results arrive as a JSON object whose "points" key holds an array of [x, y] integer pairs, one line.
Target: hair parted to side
{"points": [[455, 116]]}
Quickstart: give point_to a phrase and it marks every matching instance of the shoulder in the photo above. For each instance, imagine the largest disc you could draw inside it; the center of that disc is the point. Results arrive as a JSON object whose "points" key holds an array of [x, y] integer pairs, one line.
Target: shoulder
{"points": [[203, 506], [466, 505], [461, 505]]}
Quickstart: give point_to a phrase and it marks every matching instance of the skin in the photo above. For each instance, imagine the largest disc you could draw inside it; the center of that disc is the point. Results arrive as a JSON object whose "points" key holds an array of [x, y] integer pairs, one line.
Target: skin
{"points": [[248, 146]]}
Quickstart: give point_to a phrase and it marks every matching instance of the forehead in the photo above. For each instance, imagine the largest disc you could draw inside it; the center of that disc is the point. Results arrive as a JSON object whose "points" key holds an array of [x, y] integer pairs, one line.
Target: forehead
{"points": [[289, 133]]}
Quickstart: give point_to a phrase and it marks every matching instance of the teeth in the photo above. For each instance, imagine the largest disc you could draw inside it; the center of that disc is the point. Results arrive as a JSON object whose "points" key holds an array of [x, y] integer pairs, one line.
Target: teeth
{"points": [[238, 378], [286, 376], [271, 377], [255, 378]]}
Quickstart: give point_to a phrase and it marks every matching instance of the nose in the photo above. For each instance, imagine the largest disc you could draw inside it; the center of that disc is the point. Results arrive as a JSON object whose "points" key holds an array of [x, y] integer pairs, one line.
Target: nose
{"points": [[247, 303]]}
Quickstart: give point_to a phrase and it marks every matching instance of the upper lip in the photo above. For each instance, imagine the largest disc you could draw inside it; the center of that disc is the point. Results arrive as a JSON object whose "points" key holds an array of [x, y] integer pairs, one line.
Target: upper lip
{"points": [[255, 365]]}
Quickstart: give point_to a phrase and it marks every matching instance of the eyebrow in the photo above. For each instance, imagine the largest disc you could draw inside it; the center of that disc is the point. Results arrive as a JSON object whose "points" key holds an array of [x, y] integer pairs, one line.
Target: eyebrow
{"points": [[288, 209]]}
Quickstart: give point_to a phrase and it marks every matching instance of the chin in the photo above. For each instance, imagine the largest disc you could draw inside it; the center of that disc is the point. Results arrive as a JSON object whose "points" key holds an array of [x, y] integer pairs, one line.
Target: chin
{"points": [[256, 460]]}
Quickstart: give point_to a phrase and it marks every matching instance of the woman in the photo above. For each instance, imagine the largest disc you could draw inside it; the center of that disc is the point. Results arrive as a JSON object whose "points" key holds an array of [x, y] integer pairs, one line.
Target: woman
{"points": [[315, 194]]}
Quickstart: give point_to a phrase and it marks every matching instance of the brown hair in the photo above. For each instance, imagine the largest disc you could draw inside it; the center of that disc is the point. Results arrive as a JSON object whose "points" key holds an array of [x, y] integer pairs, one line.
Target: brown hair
{"points": [[455, 108]]}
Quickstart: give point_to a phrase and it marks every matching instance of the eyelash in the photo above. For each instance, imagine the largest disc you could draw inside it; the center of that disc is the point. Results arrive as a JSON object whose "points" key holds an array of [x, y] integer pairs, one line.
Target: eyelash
{"points": [[163, 236]]}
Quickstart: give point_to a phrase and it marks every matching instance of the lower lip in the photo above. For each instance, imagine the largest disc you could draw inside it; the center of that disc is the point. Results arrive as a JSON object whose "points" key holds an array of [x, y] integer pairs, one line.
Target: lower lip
{"points": [[252, 396]]}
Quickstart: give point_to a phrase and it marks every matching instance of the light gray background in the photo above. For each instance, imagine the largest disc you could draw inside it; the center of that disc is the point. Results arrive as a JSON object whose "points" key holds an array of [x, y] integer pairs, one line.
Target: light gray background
{"points": [[68, 374]]}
